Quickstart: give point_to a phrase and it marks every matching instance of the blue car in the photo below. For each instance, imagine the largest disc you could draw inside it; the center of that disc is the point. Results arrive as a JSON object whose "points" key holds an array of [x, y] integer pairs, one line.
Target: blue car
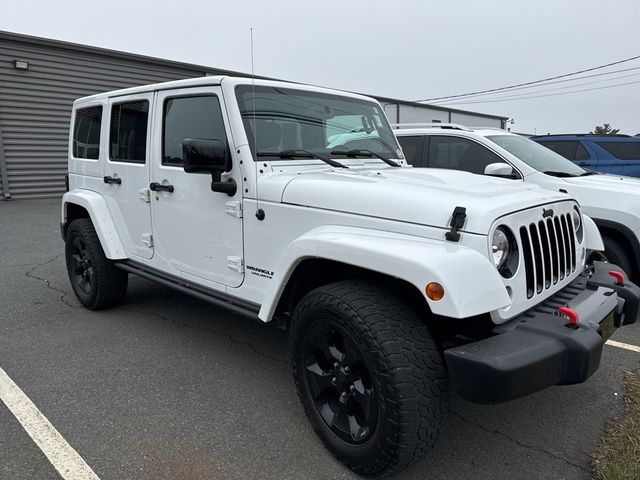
{"points": [[616, 154]]}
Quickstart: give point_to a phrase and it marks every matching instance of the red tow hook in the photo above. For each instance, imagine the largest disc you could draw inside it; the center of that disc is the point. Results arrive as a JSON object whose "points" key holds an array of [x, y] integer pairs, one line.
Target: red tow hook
{"points": [[619, 276], [571, 314]]}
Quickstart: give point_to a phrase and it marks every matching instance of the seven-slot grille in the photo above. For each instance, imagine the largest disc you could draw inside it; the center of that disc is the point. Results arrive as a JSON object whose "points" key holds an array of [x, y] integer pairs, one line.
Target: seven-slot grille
{"points": [[549, 252]]}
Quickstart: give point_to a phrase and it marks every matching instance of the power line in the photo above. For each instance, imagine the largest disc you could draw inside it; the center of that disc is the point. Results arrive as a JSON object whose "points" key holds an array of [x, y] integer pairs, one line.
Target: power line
{"points": [[555, 82], [523, 94], [511, 99], [533, 82]]}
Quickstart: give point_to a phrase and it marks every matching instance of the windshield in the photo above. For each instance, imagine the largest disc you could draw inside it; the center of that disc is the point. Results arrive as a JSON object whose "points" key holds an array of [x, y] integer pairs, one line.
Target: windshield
{"points": [[537, 156], [290, 120]]}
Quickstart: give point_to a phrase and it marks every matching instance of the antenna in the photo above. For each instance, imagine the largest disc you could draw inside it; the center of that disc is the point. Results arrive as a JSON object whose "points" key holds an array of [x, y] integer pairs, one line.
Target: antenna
{"points": [[259, 212]]}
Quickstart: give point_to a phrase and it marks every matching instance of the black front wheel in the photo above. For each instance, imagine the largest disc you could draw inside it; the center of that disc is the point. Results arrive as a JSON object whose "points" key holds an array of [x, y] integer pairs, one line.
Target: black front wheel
{"points": [[369, 376], [94, 278]]}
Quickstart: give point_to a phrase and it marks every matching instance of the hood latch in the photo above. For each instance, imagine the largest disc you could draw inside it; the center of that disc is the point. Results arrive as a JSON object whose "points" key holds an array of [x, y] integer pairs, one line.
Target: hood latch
{"points": [[457, 222]]}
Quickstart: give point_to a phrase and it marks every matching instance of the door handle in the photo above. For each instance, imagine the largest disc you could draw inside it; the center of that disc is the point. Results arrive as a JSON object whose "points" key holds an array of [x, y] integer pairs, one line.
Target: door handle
{"points": [[158, 187], [108, 179]]}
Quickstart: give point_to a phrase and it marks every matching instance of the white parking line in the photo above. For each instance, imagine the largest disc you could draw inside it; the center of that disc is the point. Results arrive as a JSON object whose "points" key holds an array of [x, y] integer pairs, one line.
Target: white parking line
{"points": [[626, 346], [65, 459]]}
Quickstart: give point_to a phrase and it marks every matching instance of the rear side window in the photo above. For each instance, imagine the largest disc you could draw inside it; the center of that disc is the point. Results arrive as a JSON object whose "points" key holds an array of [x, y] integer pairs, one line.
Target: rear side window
{"points": [[128, 134], [190, 117], [412, 148], [86, 133], [460, 154], [622, 150]]}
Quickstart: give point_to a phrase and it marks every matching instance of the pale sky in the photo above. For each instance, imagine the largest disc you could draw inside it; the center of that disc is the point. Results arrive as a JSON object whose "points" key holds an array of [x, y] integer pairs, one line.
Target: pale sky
{"points": [[405, 49]]}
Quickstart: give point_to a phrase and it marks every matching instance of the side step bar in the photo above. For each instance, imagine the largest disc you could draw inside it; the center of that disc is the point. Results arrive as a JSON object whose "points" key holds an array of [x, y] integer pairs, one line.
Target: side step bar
{"points": [[219, 299]]}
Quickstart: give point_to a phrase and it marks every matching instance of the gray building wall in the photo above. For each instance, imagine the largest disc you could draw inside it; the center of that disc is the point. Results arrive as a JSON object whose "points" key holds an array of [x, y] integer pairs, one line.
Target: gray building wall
{"points": [[35, 104], [409, 112]]}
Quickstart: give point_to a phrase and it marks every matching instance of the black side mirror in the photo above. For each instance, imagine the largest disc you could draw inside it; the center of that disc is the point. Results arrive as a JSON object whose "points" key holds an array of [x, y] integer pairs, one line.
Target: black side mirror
{"points": [[205, 156], [209, 156]]}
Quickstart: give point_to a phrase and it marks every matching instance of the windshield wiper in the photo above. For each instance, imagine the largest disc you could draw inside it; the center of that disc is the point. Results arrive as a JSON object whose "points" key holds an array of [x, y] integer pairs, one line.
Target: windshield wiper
{"points": [[287, 154], [365, 153], [588, 172], [559, 174]]}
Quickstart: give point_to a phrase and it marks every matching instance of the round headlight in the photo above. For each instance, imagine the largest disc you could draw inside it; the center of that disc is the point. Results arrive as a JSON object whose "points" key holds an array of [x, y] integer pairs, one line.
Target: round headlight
{"points": [[576, 219], [499, 247]]}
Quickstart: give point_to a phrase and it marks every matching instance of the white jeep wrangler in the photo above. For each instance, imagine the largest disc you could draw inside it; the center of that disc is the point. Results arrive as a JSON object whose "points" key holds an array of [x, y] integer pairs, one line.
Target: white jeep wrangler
{"points": [[392, 281]]}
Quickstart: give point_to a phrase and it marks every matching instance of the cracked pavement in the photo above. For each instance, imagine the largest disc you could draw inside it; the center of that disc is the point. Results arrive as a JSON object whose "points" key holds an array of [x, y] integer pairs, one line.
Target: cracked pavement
{"points": [[166, 386]]}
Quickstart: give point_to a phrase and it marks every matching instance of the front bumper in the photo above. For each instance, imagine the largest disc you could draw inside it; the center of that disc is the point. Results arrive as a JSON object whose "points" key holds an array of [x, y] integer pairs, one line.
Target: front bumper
{"points": [[539, 348]]}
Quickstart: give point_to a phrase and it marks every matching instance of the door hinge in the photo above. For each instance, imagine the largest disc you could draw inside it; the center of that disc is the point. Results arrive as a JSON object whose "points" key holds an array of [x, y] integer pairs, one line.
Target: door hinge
{"points": [[144, 195], [235, 264], [233, 208], [147, 239]]}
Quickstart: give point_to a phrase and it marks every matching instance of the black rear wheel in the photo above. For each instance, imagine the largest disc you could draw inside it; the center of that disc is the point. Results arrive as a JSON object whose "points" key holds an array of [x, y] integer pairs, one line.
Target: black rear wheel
{"points": [[94, 278], [369, 376]]}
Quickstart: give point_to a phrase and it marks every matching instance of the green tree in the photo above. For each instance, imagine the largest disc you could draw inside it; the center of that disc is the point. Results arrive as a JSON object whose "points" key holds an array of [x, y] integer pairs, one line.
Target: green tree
{"points": [[605, 129]]}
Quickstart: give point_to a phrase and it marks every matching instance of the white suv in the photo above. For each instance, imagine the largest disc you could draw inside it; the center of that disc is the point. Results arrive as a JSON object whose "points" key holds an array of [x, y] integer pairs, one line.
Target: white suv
{"points": [[612, 201], [390, 279]]}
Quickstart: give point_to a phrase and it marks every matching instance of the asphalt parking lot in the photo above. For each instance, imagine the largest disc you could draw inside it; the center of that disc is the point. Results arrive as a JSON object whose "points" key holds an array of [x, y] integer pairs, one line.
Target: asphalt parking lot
{"points": [[168, 387]]}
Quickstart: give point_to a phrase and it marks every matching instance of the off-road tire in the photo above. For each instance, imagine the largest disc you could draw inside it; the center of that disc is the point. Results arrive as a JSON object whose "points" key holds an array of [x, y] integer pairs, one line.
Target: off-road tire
{"points": [[615, 253], [106, 284], [406, 370]]}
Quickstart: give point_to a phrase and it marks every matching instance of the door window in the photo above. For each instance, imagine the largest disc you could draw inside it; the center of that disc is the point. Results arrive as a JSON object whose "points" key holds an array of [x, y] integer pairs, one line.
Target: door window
{"points": [[412, 148], [189, 117], [460, 154], [568, 149], [128, 134]]}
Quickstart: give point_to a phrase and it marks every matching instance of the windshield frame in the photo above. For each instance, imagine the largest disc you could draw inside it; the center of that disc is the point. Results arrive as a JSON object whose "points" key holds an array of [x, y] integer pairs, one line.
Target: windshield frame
{"points": [[310, 110], [537, 150]]}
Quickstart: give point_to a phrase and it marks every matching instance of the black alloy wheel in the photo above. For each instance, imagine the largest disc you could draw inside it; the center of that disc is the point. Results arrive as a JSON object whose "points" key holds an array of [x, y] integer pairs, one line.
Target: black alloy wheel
{"points": [[340, 383], [81, 265], [369, 375], [95, 279]]}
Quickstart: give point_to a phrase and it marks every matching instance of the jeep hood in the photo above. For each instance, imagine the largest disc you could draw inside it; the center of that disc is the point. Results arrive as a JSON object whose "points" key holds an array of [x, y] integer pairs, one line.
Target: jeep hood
{"points": [[416, 195]]}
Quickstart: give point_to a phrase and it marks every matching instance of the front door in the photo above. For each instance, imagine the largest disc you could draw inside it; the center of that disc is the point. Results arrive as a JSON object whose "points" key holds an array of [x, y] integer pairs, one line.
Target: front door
{"points": [[126, 172], [197, 233]]}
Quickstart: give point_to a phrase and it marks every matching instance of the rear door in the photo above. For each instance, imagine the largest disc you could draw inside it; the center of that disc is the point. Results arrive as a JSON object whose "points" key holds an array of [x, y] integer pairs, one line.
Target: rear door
{"points": [[126, 172]]}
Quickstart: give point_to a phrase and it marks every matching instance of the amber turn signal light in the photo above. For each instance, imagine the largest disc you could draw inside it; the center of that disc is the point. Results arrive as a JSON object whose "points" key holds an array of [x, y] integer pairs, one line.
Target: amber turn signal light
{"points": [[434, 291]]}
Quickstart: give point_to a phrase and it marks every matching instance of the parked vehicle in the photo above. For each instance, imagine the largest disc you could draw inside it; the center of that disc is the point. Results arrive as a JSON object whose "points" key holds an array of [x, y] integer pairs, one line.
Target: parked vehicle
{"points": [[615, 154], [389, 279], [613, 202]]}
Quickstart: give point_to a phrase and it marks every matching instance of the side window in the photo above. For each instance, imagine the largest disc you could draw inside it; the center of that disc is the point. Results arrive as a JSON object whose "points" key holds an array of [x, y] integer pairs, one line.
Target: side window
{"points": [[189, 117], [86, 133], [460, 154], [566, 149], [128, 133], [581, 153], [622, 150], [412, 148]]}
